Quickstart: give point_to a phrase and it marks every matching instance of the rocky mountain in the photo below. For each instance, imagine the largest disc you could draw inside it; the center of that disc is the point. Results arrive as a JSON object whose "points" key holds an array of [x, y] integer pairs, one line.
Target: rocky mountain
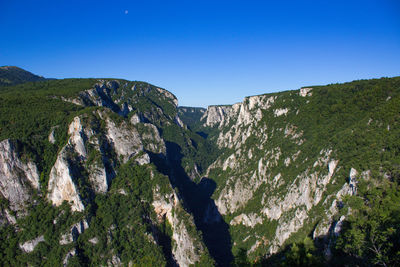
{"points": [[86, 176], [112, 172], [10, 75], [290, 159]]}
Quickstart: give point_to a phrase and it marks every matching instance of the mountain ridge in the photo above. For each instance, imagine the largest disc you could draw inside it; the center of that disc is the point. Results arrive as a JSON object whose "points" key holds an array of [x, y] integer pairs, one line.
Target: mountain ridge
{"points": [[11, 75]]}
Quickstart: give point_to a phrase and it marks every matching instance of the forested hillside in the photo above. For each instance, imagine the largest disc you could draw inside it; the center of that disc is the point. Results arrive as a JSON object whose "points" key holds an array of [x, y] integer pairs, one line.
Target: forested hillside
{"points": [[10, 75], [321, 162], [97, 172]]}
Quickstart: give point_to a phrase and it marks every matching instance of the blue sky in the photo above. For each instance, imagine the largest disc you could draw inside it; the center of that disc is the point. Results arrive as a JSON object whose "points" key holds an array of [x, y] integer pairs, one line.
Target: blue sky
{"points": [[205, 52]]}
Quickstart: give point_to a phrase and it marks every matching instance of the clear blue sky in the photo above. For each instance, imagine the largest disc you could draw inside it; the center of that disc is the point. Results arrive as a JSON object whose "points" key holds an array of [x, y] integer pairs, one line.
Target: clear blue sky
{"points": [[205, 52]]}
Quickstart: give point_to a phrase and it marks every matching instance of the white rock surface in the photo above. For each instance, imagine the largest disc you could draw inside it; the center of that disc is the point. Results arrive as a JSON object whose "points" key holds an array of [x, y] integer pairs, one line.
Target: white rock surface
{"points": [[287, 227], [247, 220], [30, 245], [7, 218], [61, 186], [74, 232], [115, 261], [280, 111], [17, 178], [94, 240], [143, 159], [135, 119], [98, 178], [232, 198], [305, 92], [186, 250], [125, 140], [353, 180], [67, 257], [179, 122], [215, 115], [77, 136], [51, 137]]}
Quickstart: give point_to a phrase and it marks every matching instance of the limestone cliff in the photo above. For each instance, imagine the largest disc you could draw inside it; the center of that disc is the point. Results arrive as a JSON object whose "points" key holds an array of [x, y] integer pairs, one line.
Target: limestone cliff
{"points": [[124, 139], [17, 177], [271, 174], [187, 247]]}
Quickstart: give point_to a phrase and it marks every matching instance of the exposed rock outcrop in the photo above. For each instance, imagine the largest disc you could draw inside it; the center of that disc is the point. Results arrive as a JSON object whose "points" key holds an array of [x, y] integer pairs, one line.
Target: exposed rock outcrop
{"points": [[124, 139], [7, 218], [74, 232], [247, 220], [30, 245], [61, 185], [17, 177], [187, 249], [305, 92], [216, 115], [64, 173], [52, 138], [67, 257]]}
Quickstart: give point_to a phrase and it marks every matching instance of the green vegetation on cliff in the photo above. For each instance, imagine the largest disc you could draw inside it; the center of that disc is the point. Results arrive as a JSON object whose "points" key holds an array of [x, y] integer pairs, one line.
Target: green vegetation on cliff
{"points": [[302, 139], [122, 223], [298, 177]]}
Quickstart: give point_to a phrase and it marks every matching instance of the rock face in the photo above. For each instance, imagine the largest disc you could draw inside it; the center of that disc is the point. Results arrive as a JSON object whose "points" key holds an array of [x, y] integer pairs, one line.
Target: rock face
{"points": [[67, 257], [232, 120], [7, 218], [61, 185], [265, 178], [30, 245], [305, 92], [280, 112], [74, 232], [247, 220], [216, 115], [187, 249], [17, 178], [52, 138], [124, 139]]}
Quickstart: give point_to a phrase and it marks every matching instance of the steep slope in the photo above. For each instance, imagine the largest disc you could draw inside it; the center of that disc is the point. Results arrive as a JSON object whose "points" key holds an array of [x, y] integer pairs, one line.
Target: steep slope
{"points": [[191, 116], [290, 159], [82, 180], [10, 75]]}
